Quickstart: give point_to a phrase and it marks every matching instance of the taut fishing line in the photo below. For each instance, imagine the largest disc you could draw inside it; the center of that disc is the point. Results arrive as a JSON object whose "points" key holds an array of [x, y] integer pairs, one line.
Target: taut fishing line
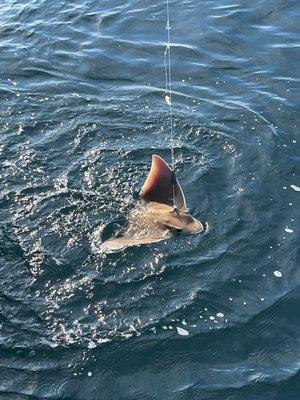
{"points": [[168, 76], [168, 95]]}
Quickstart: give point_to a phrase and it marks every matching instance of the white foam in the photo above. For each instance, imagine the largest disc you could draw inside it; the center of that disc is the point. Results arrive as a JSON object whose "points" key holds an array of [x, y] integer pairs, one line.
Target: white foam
{"points": [[278, 274], [289, 230], [296, 188], [182, 331]]}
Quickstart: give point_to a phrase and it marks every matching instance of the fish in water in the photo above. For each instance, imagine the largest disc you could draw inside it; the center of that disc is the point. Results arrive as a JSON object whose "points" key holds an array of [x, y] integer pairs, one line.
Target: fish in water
{"points": [[161, 212]]}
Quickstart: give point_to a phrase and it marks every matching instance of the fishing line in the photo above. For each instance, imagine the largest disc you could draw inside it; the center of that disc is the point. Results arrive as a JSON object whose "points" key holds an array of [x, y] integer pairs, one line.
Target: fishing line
{"points": [[168, 95], [168, 76]]}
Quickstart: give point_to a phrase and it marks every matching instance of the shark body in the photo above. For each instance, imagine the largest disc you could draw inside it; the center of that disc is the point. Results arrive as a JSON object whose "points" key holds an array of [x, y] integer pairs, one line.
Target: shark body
{"points": [[161, 212]]}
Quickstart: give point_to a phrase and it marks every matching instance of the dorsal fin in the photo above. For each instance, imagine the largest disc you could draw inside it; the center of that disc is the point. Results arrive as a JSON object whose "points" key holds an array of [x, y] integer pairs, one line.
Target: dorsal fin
{"points": [[158, 186]]}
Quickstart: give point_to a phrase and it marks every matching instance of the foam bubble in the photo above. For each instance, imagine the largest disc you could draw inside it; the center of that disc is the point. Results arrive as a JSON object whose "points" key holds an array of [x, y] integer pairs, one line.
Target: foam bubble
{"points": [[278, 274], [296, 188], [289, 230], [182, 331]]}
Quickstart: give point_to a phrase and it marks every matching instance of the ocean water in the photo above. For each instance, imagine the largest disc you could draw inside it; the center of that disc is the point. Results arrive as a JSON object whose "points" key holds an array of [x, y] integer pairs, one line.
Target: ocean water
{"points": [[211, 316]]}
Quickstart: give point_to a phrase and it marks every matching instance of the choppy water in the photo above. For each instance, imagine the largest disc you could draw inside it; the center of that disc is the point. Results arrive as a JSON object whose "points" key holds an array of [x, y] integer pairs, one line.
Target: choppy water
{"points": [[214, 316]]}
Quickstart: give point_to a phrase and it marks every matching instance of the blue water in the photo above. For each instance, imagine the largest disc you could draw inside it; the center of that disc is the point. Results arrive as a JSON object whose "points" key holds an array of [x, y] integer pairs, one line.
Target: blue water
{"points": [[212, 316]]}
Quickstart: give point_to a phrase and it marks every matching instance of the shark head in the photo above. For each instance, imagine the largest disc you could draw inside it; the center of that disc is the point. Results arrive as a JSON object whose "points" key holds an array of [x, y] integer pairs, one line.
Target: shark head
{"points": [[182, 221], [166, 198]]}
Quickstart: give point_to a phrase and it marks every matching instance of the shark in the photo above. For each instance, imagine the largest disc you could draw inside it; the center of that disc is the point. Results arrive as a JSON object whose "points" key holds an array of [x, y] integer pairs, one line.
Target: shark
{"points": [[160, 213]]}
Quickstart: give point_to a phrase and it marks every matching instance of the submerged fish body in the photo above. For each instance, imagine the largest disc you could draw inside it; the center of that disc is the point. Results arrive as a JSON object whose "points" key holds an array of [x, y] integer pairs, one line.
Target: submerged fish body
{"points": [[156, 218], [121, 243], [143, 227]]}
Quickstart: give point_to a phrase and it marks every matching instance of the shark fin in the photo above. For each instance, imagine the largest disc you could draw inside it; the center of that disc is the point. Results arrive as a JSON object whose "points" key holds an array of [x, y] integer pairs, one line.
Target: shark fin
{"points": [[158, 186]]}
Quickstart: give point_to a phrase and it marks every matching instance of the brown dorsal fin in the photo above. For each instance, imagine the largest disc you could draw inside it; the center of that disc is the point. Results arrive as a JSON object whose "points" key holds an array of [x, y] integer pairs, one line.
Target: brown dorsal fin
{"points": [[158, 186]]}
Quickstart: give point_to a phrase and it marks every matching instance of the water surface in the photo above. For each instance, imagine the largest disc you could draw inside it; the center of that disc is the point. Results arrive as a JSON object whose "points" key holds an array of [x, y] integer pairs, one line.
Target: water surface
{"points": [[212, 316]]}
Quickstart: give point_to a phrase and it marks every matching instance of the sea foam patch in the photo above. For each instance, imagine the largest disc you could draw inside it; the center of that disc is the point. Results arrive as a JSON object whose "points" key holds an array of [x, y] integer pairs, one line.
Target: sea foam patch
{"points": [[296, 188], [289, 230], [182, 332]]}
